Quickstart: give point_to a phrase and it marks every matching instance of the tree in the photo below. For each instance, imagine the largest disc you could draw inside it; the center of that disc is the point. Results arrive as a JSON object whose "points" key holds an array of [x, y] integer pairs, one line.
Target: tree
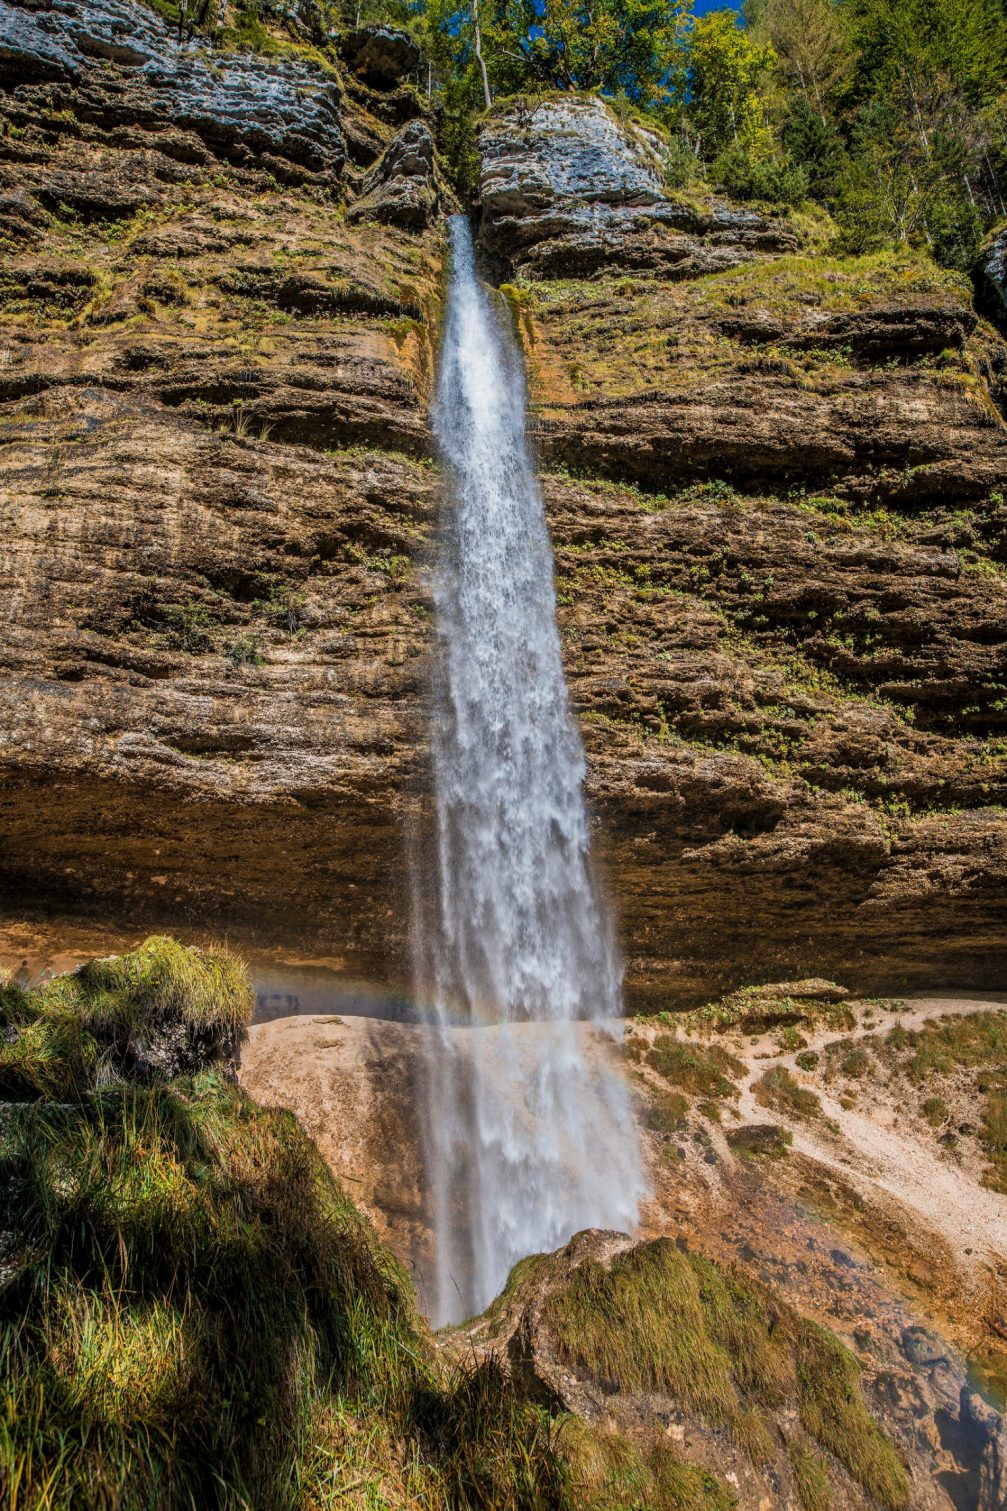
{"points": [[811, 44], [726, 70], [813, 142], [633, 47]]}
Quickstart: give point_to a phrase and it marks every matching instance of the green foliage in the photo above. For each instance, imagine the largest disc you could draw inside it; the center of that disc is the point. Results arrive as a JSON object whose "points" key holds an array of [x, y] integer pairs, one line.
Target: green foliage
{"points": [[633, 46], [726, 70], [192, 1313], [707, 1072], [778, 1089], [814, 144], [779, 182]]}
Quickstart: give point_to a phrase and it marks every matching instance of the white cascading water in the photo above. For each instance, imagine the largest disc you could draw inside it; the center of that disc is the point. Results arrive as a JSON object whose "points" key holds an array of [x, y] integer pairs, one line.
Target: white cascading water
{"points": [[529, 1137]]}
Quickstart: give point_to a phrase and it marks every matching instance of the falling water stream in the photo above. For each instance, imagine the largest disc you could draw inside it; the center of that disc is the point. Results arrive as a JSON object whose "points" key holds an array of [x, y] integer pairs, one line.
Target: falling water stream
{"points": [[529, 1136]]}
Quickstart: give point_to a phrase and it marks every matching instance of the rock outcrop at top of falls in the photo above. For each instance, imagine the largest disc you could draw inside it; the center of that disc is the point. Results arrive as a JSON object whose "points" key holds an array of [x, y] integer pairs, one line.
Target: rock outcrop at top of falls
{"points": [[774, 484], [567, 190]]}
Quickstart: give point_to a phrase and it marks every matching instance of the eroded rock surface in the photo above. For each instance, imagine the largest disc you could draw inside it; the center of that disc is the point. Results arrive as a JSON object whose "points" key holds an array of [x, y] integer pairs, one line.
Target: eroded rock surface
{"points": [[403, 189], [382, 56], [280, 113], [218, 513], [567, 189]]}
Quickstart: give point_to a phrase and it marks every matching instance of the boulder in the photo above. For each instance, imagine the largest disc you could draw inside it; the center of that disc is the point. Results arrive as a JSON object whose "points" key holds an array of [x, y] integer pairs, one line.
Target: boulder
{"points": [[402, 189], [382, 56]]}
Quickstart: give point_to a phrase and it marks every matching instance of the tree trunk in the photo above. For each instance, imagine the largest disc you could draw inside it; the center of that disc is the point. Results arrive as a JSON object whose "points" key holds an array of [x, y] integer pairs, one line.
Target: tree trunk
{"points": [[479, 53]]}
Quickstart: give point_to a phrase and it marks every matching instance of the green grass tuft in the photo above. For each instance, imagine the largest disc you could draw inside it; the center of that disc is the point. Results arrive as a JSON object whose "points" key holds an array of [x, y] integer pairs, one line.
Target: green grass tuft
{"points": [[811, 1477], [707, 1072], [833, 1411], [659, 1320], [207, 991], [778, 1089]]}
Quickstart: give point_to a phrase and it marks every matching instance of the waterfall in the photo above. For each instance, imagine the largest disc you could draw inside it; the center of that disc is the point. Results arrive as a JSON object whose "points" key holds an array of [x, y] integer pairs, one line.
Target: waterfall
{"points": [[529, 1135]]}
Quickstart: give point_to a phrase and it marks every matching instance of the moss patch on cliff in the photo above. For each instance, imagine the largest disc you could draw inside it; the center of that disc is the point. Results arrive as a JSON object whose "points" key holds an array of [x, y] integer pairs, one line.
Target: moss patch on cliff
{"points": [[660, 1320], [191, 1310]]}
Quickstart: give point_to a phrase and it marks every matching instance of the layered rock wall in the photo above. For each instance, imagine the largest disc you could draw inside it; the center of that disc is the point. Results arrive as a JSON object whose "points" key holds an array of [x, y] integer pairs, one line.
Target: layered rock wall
{"points": [[773, 479]]}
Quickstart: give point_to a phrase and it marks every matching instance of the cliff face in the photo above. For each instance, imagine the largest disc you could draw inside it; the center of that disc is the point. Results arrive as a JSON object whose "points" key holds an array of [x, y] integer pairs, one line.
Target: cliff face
{"points": [[772, 479]]}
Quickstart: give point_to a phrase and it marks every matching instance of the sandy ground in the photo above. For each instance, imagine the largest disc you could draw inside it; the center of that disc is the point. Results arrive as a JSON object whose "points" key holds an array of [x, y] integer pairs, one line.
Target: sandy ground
{"points": [[881, 1147]]}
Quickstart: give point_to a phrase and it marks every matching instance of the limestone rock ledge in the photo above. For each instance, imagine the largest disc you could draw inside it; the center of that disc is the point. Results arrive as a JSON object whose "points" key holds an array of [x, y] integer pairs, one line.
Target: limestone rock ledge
{"points": [[282, 115], [566, 190]]}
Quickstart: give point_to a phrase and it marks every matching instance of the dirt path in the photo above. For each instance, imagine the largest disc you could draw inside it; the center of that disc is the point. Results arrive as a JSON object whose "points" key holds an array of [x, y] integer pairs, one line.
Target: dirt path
{"points": [[876, 1149]]}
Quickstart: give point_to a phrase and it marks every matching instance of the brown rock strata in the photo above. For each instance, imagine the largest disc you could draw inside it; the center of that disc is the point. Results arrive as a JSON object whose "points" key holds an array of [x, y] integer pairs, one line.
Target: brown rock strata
{"points": [[788, 650]]}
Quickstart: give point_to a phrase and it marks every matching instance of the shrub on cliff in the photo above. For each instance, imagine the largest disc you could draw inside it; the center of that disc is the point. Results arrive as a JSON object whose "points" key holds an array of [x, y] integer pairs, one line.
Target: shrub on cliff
{"points": [[191, 1311]]}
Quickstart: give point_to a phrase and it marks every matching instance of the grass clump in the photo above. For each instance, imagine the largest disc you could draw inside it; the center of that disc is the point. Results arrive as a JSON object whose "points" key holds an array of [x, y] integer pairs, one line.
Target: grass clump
{"points": [[707, 1072], [658, 1319], [760, 1141], [608, 1472], [121, 993], [832, 1410], [192, 1313], [778, 1089], [666, 1114], [811, 1478], [993, 1130]]}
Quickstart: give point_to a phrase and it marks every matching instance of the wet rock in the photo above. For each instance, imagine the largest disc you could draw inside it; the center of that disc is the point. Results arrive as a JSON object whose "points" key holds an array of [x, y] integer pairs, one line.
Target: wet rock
{"points": [[403, 189], [170, 1048], [567, 190], [923, 1348], [986, 1432], [382, 56]]}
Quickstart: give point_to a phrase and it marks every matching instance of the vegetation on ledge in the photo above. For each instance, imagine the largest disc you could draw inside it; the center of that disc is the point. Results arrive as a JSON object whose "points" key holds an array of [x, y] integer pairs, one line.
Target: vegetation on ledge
{"points": [[722, 1346], [193, 1313]]}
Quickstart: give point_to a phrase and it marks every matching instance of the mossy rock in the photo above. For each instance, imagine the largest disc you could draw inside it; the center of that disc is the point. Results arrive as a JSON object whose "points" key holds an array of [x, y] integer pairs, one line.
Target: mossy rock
{"points": [[626, 1333], [763, 1139]]}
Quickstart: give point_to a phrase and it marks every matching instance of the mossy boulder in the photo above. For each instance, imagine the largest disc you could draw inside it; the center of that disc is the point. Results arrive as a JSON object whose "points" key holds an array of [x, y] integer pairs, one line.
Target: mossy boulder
{"points": [[637, 1336], [161, 1011]]}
